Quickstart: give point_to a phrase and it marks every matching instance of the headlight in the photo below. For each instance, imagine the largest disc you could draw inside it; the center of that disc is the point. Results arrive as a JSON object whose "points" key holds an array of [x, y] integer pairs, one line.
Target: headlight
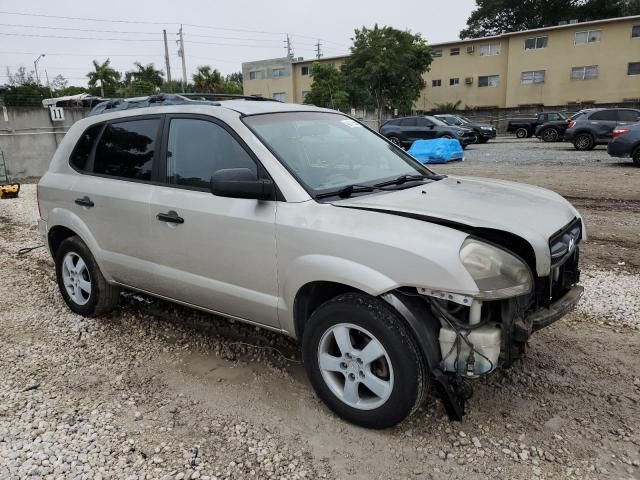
{"points": [[487, 128], [497, 274]]}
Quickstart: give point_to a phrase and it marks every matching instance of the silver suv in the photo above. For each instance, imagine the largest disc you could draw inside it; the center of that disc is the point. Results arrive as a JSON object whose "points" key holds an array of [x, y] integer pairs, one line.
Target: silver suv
{"points": [[397, 281]]}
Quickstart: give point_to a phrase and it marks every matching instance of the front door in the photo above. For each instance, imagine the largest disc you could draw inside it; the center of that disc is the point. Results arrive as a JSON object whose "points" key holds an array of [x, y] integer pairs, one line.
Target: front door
{"points": [[425, 129], [214, 252]]}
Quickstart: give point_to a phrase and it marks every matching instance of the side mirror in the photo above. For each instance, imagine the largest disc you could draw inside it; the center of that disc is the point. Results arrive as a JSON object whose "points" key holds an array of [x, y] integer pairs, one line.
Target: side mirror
{"points": [[241, 183]]}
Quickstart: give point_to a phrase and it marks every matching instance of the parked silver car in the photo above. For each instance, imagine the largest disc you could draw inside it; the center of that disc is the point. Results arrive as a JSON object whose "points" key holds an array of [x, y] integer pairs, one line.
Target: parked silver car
{"points": [[398, 281]]}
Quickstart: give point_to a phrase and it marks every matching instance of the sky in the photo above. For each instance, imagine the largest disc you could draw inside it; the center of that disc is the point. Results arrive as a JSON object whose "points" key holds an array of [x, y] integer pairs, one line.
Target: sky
{"points": [[220, 34]]}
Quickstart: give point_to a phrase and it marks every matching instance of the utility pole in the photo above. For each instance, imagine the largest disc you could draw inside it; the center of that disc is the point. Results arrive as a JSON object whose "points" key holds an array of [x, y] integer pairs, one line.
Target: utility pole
{"points": [[35, 64], [166, 56], [318, 51], [289, 47], [181, 54]]}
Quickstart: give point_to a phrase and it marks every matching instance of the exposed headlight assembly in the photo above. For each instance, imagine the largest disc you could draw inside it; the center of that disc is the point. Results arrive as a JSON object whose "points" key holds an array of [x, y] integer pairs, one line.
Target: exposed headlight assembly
{"points": [[497, 273]]}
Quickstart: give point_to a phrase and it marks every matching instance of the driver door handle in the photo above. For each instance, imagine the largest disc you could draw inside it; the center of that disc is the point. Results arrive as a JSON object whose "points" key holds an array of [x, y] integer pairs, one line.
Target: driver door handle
{"points": [[84, 201], [171, 216]]}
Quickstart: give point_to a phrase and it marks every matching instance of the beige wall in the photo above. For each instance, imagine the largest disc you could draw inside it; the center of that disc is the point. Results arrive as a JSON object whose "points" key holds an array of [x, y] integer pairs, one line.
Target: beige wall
{"points": [[612, 55]]}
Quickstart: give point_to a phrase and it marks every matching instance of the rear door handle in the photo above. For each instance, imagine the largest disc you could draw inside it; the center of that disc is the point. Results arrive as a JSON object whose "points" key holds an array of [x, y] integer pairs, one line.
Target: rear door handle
{"points": [[84, 201], [171, 216]]}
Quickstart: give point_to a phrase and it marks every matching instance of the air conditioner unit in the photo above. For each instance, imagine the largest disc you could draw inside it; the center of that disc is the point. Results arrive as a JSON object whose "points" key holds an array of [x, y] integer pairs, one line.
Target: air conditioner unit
{"points": [[468, 81], [471, 49]]}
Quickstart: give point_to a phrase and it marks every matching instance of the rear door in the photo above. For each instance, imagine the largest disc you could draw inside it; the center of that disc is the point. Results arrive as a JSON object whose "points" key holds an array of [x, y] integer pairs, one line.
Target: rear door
{"points": [[602, 123], [210, 251], [112, 198]]}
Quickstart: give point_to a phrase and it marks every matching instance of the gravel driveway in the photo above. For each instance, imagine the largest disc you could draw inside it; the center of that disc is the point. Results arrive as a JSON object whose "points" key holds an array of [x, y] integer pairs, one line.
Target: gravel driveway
{"points": [[159, 391]]}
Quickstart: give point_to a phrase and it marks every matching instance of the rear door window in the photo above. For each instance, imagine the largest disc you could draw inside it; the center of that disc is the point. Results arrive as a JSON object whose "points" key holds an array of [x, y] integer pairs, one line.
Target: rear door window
{"points": [[126, 149], [604, 115], [196, 149], [82, 151], [628, 116]]}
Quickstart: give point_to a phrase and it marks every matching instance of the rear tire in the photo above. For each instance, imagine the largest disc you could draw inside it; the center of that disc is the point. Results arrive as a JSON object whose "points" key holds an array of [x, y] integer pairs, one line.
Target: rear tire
{"points": [[522, 132], [338, 348], [550, 135], [635, 156], [584, 141], [81, 283]]}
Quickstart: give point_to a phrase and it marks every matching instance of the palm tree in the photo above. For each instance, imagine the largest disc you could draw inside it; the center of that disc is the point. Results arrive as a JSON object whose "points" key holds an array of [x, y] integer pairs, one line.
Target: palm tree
{"points": [[147, 73], [207, 80], [104, 74]]}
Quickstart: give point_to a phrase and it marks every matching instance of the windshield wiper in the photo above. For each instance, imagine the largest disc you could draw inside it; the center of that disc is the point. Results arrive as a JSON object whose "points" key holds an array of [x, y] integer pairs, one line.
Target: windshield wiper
{"points": [[402, 179], [349, 190]]}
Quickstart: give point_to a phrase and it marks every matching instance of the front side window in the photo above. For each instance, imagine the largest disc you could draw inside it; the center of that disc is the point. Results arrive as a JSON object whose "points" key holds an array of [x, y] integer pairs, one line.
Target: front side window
{"points": [[126, 149], [453, 82], [633, 68], [529, 78], [490, 49], [423, 122], [328, 151], [196, 149], [488, 81], [591, 36], [589, 72], [535, 43], [82, 150]]}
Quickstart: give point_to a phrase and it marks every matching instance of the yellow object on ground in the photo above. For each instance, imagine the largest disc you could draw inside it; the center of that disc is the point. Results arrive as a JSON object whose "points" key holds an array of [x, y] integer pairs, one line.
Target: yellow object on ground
{"points": [[9, 191]]}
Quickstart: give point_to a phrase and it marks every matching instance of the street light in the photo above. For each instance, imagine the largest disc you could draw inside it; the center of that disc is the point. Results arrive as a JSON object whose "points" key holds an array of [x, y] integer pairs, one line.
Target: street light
{"points": [[35, 64]]}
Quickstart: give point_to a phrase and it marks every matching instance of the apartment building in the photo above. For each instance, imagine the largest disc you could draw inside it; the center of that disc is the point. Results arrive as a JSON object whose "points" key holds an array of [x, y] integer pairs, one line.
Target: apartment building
{"points": [[576, 63]]}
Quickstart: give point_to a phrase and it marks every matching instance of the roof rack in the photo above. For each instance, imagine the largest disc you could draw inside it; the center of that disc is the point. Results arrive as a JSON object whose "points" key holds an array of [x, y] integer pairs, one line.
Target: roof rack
{"points": [[162, 99]]}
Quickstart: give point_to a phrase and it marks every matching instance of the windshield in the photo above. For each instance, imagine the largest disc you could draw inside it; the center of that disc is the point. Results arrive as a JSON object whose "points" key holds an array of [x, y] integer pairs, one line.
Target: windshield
{"points": [[464, 119], [327, 151], [437, 121], [451, 120]]}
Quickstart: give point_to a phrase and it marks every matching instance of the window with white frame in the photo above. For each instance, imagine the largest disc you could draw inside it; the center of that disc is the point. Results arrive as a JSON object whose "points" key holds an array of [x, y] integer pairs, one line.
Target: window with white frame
{"points": [[535, 43], [305, 70], [279, 72], [534, 76], [436, 83], [488, 80], [633, 68], [490, 49], [256, 75], [591, 36], [280, 96], [454, 82], [635, 31], [589, 72]]}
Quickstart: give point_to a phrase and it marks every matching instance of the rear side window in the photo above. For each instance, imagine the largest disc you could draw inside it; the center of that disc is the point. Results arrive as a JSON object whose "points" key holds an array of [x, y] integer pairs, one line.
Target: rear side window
{"points": [[628, 116], [604, 115], [197, 149], [81, 152], [126, 149]]}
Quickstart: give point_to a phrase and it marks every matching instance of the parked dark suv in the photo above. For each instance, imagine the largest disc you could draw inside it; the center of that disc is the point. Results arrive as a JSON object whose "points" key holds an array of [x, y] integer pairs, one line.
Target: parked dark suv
{"points": [[404, 131], [596, 127], [484, 131], [626, 143]]}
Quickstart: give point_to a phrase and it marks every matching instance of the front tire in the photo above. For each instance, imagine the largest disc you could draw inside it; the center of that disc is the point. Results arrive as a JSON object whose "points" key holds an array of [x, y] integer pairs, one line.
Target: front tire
{"points": [[550, 135], [584, 141], [81, 283], [363, 362], [396, 141], [522, 133]]}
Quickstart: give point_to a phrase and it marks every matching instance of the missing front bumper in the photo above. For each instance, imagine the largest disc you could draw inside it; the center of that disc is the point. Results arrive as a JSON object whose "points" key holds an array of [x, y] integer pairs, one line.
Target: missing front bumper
{"points": [[546, 316]]}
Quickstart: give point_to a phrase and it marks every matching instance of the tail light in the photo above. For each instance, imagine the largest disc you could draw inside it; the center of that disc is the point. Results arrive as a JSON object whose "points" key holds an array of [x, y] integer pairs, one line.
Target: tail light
{"points": [[618, 132], [571, 123]]}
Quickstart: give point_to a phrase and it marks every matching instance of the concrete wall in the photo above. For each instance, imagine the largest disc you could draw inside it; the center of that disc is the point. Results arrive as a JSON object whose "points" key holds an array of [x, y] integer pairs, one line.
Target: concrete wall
{"points": [[29, 138]]}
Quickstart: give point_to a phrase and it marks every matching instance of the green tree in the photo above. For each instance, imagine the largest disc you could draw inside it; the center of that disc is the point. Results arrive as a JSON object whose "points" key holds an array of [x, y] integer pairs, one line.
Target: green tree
{"points": [[23, 90], [106, 76], [328, 87], [146, 73], [494, 17], [207, 80], [233, 83], [386, 67]]}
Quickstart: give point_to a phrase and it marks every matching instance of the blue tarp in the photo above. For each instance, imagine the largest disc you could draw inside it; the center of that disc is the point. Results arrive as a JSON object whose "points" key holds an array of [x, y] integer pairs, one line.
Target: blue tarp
{"points": [[438, 150]]}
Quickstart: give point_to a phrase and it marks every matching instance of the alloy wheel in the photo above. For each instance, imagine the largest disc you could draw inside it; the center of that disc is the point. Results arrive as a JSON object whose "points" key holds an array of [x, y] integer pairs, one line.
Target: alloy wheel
{"points": [[355, 366], [76, 278]]}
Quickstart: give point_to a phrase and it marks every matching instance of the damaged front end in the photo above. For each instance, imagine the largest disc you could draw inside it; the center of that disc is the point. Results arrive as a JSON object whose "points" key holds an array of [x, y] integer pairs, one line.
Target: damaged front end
{"points": [[478, 333]]}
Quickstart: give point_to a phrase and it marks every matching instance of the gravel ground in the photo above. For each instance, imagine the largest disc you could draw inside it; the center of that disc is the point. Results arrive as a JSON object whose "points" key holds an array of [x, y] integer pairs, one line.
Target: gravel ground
{"points": [[158, 391]]}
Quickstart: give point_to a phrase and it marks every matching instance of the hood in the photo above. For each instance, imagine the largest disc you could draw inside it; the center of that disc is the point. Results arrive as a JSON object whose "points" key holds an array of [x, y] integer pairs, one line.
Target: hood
{"points": [[531, 213]]}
